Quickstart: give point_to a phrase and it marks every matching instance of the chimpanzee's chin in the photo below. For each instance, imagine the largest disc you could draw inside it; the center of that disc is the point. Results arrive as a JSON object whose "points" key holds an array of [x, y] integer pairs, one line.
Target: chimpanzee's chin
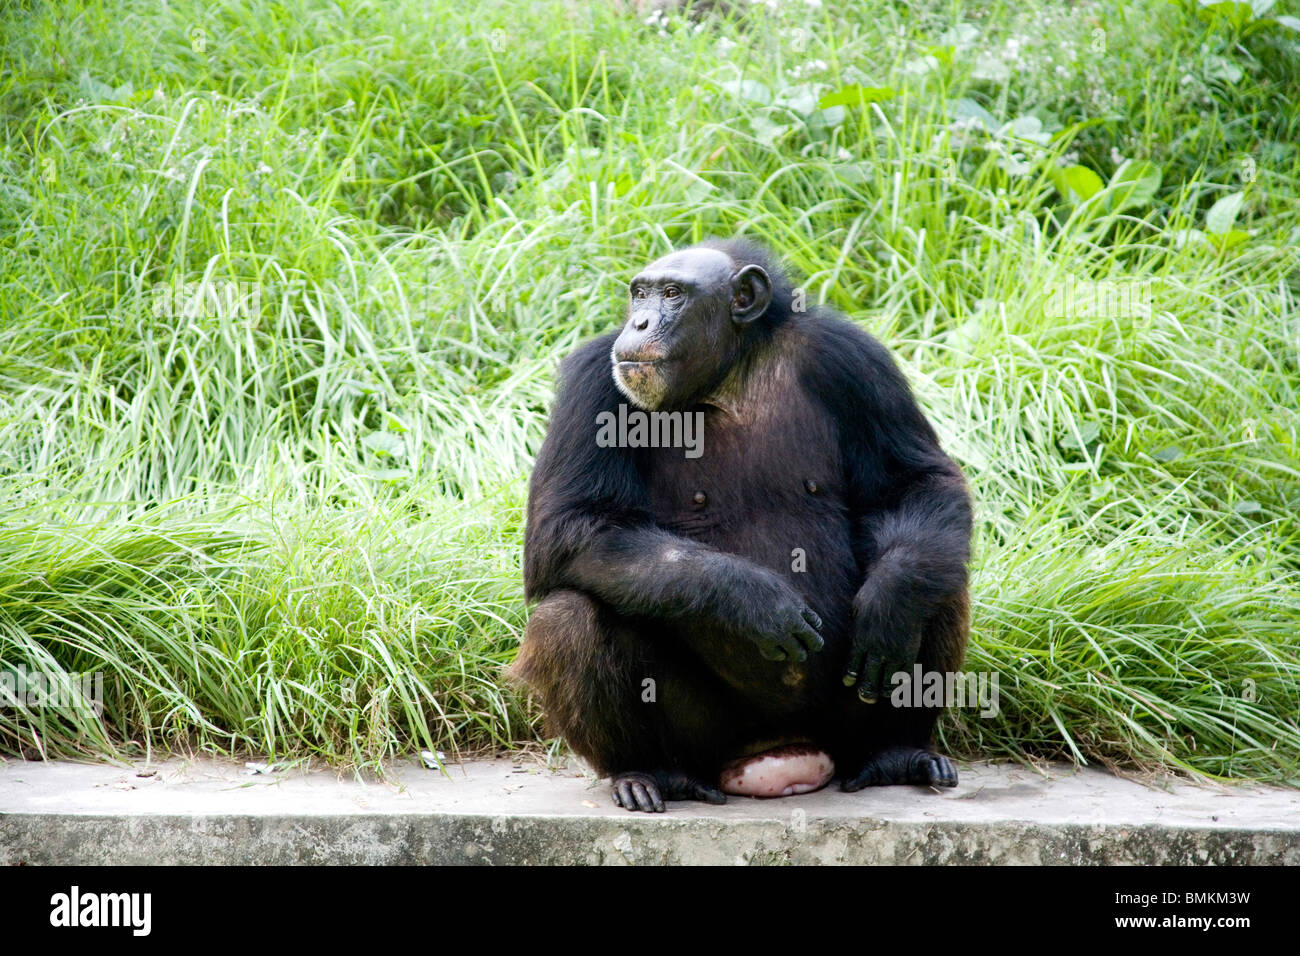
{"points": [[642, 383]]}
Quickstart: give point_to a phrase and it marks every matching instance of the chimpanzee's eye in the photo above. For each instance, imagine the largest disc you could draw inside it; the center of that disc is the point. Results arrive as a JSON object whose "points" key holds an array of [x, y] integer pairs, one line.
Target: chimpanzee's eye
{"points": [[639, 292], [672, 292]]}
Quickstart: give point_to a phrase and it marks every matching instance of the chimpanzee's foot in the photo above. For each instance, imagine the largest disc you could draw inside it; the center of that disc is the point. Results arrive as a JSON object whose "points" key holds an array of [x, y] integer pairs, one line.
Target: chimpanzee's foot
{"points": [[648, 791], [903, 765]]}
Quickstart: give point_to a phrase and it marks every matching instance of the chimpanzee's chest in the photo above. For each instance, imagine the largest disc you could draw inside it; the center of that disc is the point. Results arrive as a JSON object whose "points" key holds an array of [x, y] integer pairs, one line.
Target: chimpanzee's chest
{"points": [[769, 488]]}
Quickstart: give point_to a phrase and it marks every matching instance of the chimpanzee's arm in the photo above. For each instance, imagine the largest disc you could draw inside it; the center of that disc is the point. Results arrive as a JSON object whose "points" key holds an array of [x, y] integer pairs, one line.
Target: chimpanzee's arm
{"points": [[912, 512], [590, 528]]}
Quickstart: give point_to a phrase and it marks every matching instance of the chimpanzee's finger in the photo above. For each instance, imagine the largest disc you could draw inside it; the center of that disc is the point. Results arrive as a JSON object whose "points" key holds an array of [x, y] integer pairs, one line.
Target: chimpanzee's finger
{"points": [[794, 651], [869, 683], [809, 639], [857, 653]]}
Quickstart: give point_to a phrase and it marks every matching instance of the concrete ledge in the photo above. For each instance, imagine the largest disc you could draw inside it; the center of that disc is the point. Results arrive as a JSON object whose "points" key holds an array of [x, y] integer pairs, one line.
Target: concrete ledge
{"points": [[503, 812]]}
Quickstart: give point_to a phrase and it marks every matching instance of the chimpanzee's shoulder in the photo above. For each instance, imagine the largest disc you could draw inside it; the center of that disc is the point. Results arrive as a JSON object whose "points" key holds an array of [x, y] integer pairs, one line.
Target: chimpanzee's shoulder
{"points": [[839, 356]]}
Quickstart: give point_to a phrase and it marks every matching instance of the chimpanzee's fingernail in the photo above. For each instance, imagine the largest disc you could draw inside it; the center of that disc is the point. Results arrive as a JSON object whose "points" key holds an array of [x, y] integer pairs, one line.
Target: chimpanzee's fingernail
{"points": [[866, 696], [850, 679]]}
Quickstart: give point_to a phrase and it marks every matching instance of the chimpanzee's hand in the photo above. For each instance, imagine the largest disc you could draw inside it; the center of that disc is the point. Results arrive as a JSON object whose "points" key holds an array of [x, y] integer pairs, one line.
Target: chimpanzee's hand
{"points": [[783, 627], [878, 654]]}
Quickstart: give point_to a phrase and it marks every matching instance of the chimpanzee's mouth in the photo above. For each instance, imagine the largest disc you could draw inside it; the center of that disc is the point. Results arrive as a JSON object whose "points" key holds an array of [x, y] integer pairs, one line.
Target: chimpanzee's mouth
{"points": [[632, 365]]}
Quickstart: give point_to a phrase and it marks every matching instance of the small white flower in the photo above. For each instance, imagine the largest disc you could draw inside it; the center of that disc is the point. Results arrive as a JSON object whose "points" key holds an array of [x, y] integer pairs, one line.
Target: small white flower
{"points": [[808, 69]]}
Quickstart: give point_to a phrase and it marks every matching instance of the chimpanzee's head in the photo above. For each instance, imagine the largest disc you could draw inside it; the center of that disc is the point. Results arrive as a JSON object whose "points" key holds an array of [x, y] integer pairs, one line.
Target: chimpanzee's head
{"points": [[692, 314]]}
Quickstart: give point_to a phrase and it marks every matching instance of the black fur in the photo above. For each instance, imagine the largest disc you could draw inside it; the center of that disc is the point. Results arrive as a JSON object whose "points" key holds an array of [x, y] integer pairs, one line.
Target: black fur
{"points": [[817, 445]]}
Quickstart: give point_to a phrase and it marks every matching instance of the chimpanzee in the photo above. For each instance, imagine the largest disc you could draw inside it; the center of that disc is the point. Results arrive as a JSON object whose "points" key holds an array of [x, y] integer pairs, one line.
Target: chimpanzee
{"points": [[728, 617]]}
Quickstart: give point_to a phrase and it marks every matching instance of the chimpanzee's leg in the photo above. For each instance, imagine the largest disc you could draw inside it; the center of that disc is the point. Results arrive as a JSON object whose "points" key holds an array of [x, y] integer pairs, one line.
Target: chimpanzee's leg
{"points": [[882, 744], [626, 700]]}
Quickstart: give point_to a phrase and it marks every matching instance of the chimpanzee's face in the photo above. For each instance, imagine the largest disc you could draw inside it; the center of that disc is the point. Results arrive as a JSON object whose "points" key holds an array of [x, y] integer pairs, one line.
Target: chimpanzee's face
{"points": [[684, 320]]}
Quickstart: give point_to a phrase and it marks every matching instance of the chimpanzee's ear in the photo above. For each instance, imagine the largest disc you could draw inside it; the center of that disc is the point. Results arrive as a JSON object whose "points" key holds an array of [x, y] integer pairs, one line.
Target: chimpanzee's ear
{"points": [[751, 294]]}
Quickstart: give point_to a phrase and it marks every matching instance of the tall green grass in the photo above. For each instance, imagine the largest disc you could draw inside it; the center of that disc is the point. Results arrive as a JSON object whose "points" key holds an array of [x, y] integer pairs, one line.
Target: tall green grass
{"points": [[282, 287]]}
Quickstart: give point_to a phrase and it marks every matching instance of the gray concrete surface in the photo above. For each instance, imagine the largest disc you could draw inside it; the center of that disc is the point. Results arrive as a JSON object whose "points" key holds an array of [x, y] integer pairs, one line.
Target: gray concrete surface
{"points": [[516, 812]]}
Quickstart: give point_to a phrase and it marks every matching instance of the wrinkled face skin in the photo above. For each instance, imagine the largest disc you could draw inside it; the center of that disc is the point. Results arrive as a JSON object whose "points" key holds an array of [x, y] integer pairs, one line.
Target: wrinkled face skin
{"points": [[685, 324]]}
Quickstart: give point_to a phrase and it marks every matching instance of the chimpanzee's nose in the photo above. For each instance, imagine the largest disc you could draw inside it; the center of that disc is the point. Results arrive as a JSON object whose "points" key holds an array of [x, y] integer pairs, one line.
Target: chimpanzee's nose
{"points": [[641, 324]]}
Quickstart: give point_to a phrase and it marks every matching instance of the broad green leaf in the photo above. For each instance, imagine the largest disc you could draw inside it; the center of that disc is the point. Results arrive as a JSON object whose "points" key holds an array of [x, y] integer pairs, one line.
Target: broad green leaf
{"points": [[385, 443], [750, 90], [1076, 184], [965, 108], [801, 99], [1237, 14], [1224, 213], [991, 68], [856, 95], [1082, 181], [1027, 127], [1229, 239], [1221, 68], [1135, 183], [827, 118], [766, 131], [1089, 432]]}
